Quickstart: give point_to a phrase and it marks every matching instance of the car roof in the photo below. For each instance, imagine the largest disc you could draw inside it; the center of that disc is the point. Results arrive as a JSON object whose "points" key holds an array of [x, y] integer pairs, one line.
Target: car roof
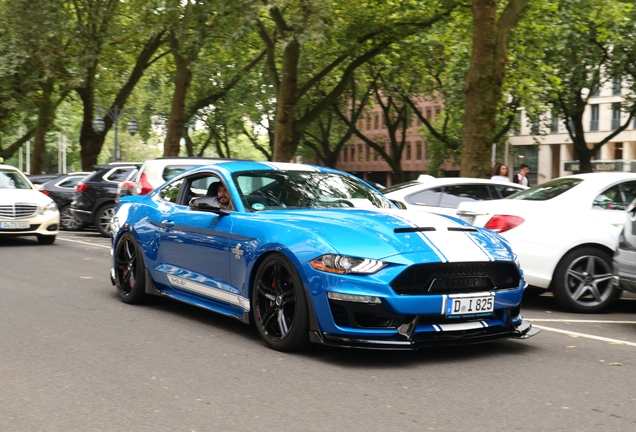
{"points": [[238, 166], [8, 167], [425, 182], [603, 177]]}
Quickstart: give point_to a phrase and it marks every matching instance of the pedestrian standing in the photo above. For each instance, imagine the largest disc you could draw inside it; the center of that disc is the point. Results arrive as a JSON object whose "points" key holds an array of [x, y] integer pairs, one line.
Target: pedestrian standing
{"points": [[500, 173], [522, 176]]}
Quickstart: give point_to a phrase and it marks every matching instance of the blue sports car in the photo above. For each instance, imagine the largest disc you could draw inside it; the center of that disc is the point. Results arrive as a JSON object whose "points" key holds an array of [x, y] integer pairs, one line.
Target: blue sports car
{"points": [[311, 254]]}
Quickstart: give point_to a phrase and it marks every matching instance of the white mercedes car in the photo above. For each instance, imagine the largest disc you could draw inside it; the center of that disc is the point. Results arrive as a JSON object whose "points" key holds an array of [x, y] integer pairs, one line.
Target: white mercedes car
{"points": [[24, 210], [564, 232], [443, 195]]}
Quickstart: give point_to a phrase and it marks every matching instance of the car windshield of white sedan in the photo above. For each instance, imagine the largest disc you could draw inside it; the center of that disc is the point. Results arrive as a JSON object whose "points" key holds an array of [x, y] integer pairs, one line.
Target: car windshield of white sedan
{"points": [[546, 191], [270, 190], [10, 179]]}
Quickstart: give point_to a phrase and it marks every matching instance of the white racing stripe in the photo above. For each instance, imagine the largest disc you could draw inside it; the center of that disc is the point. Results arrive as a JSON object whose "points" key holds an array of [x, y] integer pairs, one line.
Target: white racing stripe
{"points": [[84, 243], [585, 335], [208, 291]]}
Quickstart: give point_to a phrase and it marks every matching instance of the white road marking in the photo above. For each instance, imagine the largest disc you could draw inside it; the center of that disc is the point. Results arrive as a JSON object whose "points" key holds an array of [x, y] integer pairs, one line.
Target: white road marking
{"points": [[85, 243], [579, 321], [588, 336]]}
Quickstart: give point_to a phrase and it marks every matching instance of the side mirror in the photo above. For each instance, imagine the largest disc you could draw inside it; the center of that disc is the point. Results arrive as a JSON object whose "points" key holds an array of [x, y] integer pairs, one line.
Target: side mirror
{"points": [[399, 204], [208, 204]]}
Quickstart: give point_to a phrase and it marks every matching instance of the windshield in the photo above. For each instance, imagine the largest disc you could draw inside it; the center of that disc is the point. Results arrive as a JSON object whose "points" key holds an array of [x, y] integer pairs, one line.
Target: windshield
{"points": [[546, 191], [11, 179], [268, 190]]}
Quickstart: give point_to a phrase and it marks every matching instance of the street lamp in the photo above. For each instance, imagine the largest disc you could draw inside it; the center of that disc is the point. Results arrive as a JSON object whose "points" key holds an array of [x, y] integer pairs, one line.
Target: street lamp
{"points": [[114, 113]]}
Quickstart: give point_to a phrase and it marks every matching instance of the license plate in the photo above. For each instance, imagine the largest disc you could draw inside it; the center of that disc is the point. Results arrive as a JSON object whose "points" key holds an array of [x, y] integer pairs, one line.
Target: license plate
{"points": [[470, 305], [14, 225]]}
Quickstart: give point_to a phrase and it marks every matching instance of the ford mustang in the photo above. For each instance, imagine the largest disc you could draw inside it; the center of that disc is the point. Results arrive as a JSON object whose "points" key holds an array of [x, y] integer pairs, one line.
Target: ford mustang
{"points": [[311, 254]]}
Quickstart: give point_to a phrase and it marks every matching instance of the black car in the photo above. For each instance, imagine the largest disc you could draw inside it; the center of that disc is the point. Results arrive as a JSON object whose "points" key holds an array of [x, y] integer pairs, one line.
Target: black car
{"points": [[42, 178], [62, 190], [96, 194]]}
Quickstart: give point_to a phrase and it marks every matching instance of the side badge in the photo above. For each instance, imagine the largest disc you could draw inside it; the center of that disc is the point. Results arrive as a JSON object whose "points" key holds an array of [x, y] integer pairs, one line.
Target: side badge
{"points": [[238, 253]]}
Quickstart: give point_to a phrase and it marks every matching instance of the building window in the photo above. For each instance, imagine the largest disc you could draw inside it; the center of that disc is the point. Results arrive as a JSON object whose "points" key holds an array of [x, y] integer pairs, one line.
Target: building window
{"points": [[426, 151], [596, 90], [554, 125], [534, 127], [594, 118], [368, 155], [428, 114], [351, 150], [616, 116], [618, 151], [616, 86], [376, 119], [408, 150], [360, 153], [438, 109], [418, 149]]}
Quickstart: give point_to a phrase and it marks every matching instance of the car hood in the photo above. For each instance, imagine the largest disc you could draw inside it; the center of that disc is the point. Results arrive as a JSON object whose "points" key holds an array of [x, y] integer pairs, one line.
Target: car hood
{"points": [[384, 233], [30, 196]]}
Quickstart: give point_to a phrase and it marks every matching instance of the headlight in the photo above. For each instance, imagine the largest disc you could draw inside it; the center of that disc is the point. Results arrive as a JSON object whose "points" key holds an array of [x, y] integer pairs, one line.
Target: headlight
{"points": [[50, 207], [341, 264]]}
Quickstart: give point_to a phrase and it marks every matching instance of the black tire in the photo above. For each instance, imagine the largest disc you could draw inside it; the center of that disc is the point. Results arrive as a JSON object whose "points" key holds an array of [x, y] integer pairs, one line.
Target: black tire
{"points": [[46, 239], [102, 219], [583, 281], [130, 275], [69, 222], [279, 305]]}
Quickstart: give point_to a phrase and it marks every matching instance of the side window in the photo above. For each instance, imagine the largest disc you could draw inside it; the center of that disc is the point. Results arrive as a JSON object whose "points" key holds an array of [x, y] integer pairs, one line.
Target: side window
{"points": [[118, 175], [502, 191], [429, 197], [170, 192], [629, 190], [455, 194], [70, 182], [201, 186], [610, 199]]}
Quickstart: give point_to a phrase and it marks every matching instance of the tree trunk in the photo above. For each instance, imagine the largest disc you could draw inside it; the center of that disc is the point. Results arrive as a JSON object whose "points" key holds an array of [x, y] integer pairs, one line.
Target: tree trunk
{"points": [[484, 81], [177, 121], [46, 114], [286, 141], [90, 142]]}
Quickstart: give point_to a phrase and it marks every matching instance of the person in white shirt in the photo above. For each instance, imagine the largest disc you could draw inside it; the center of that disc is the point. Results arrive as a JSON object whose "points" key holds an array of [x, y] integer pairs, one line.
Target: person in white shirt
{"points": [[500, 173], [522, 177]]}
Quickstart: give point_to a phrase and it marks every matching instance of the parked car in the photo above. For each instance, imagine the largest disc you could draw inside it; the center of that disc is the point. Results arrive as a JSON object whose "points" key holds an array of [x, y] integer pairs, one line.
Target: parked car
{"points": [[624, 263], [62, 190], [24, 211], [314, 254], [565, 232], [42, 178], [96, 194], [443, 195], [155, 172]]}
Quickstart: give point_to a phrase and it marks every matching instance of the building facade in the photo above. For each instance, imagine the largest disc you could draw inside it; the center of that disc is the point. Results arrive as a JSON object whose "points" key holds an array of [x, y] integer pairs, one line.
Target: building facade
{"points": [[363, 161], [547, 148]]}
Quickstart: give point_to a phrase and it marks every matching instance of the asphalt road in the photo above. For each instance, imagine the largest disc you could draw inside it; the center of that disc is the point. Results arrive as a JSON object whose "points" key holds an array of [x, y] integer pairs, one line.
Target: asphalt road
{"points": [[75, 358]]}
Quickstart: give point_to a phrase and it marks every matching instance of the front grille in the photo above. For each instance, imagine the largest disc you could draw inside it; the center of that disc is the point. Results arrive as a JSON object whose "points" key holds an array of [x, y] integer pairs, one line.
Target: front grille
{"points": [[456, 278], [18, 211]]}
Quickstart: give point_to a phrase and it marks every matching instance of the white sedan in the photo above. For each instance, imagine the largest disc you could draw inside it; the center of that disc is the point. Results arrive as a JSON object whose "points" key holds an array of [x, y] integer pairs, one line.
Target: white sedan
{"points": [[24, 210], [443, 195], [564, 232]]}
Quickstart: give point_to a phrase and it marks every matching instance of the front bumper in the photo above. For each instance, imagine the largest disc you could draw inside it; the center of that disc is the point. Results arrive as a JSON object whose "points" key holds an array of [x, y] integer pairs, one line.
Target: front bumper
{"points": [[45, 225], [413, 341]]}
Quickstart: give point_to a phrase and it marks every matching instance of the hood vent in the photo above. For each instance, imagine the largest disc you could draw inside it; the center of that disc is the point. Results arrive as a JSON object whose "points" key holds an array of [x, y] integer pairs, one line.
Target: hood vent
{"points": [[414, 229], [463, 229]]}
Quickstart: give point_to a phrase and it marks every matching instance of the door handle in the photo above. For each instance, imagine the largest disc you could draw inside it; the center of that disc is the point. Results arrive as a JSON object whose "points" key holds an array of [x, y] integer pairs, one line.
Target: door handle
{"points": [[168, 224]]}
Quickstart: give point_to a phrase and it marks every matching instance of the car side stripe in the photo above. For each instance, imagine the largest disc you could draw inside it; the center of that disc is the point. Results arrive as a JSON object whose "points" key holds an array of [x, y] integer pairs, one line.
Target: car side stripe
{"points": [[215, 293]]}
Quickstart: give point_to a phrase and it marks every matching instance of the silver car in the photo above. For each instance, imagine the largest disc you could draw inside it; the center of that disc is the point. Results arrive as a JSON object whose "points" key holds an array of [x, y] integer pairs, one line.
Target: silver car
{"points": [[625, 255]]}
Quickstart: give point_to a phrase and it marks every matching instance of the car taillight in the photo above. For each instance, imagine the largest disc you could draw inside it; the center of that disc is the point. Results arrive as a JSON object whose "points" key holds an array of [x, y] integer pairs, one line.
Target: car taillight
{"points": [[503, 223], [127, 188], [81, 187], [45, 192], [146, 188]]}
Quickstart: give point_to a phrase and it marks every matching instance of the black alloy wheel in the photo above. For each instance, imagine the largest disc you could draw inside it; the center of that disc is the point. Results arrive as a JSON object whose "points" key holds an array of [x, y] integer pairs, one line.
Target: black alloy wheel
{"points": [[279, 305], [583, 281], [129, 270]]}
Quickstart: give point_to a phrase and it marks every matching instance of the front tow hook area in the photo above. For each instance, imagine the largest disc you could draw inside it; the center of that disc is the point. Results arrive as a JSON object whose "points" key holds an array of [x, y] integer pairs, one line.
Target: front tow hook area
{"points": [[525, 331]]}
